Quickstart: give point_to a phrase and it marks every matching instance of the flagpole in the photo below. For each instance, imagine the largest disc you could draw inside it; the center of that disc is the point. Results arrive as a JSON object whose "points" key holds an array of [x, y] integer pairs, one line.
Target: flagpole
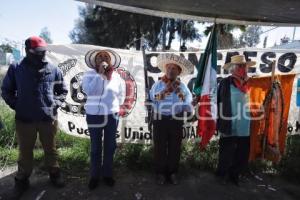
{"points": [[148, 118], [205, 89], [207, 57]]}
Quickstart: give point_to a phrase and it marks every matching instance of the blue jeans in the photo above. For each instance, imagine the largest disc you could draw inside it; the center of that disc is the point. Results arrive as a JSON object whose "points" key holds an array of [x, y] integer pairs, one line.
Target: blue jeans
{"points": [[97, 124]]}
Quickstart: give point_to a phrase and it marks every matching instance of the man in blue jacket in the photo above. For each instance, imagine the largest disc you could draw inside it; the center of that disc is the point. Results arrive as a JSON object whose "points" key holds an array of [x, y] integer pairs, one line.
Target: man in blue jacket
{"points": [[35, 89]]}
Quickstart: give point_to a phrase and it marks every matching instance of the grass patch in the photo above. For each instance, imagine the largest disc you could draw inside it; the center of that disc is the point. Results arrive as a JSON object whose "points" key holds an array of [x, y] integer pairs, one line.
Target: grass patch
{"points": [[7, 133], [8, 157], [134, 156], [192, 157], [75, 154], [289, 166]]}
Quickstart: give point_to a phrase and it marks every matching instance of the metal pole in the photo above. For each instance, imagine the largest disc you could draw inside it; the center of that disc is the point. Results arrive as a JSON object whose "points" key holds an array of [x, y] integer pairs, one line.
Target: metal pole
{"points": [[148, 118], [294, 33], [145, 63], [164, 31], [181, 27]]}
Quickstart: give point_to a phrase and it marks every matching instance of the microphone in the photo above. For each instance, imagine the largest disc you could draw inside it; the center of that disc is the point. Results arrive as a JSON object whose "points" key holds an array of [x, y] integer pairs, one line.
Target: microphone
{"points": [[104, 65]]}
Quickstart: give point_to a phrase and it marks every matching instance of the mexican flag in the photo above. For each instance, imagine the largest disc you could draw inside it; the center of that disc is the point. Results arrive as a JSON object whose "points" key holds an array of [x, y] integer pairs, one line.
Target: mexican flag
{"points": [[206, 90]]}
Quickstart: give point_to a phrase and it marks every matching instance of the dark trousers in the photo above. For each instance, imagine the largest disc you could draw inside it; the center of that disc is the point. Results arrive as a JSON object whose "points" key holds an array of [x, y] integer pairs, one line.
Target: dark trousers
{"points": [[233, 156], [97, 125], [167, 136], [26, 135]]}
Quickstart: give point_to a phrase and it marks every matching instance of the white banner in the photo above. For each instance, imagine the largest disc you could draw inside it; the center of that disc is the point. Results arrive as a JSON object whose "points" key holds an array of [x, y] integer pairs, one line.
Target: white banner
{"points": [[132, 128]]}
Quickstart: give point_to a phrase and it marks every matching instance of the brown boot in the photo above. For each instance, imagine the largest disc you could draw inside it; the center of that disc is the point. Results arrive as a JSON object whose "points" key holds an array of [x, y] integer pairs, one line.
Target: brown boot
{"points": [[56, 178], [160, 179], [174, 179], [109, 181]]}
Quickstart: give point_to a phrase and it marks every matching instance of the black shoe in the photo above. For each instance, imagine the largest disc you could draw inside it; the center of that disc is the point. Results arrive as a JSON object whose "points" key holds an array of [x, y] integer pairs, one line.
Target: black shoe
{"points": [[160, 179], [56, 178], [234, 180], [109, 181], [93, 183], [21, 185], [221, 178], [174, 179]]}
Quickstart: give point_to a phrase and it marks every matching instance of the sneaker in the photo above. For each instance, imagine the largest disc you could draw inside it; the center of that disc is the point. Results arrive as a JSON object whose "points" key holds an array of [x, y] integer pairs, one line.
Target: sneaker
{"points": [[93, 183], [56, 178], [174, 179], [160, 179], [109, 181]]}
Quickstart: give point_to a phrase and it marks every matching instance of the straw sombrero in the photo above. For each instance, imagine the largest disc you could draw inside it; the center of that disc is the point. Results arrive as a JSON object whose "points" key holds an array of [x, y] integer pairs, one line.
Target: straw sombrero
{"points": [[238, 59], [112, 57], [185, 65]]}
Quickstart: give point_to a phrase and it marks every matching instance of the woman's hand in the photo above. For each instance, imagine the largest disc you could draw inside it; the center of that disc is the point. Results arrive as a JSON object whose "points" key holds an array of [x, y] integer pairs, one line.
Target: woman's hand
{"points": [[101, 67], [123, 111]]}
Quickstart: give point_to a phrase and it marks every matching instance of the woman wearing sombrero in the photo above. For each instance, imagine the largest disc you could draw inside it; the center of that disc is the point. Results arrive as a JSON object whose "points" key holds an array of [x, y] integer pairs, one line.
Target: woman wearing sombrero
{"points": [[170, 99], [234, 120], [103, 88]]}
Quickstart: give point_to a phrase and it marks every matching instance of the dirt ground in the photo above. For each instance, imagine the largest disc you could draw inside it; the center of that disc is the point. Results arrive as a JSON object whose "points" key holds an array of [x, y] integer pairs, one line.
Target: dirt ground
{"points": [[140, 185]]}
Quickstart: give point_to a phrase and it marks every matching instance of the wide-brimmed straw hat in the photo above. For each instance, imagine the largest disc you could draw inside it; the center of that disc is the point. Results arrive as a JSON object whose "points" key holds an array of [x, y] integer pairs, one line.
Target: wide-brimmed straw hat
{"points": [[112, 57], [168, 58], [238, 59]]}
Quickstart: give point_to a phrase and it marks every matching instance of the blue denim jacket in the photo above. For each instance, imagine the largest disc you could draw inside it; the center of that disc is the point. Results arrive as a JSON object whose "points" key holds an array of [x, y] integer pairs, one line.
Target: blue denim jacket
{"points": [[34, 94]]}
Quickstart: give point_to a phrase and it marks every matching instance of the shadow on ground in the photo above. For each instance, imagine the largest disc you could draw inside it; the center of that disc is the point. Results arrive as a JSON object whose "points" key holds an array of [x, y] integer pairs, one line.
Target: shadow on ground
{"points": [[141, 185]]}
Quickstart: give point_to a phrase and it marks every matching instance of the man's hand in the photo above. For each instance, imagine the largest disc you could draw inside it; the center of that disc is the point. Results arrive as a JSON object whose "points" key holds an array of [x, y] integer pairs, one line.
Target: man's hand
{"points": [[195, 100]]}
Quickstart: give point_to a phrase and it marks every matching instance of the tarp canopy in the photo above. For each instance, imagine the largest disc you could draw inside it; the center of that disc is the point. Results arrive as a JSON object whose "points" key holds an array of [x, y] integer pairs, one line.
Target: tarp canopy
{"points": [[255, 12]]}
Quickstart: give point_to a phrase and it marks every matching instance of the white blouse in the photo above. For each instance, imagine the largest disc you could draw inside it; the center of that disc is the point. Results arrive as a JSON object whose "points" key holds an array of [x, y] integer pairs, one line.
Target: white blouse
{"points": [[103, 96]]}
